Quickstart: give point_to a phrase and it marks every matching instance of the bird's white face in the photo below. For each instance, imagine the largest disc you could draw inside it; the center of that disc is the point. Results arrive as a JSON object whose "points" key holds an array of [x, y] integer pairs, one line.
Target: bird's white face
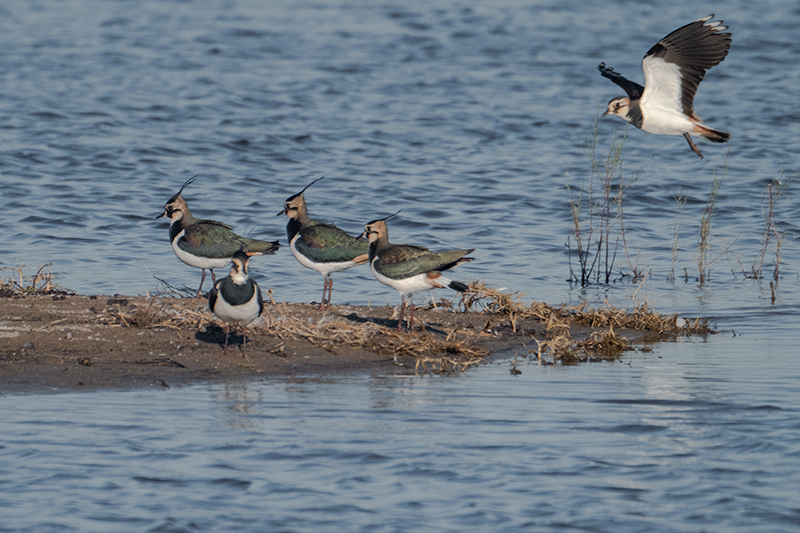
{"points": [[291, 209], [174, 209], [239, 269], [294, 207], [619, 107], [374, 230]]}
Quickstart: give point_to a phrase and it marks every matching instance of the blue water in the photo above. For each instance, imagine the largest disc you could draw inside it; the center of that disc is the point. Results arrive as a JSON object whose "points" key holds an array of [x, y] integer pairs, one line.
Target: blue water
{"points": [[468, 117], [683, 439]]}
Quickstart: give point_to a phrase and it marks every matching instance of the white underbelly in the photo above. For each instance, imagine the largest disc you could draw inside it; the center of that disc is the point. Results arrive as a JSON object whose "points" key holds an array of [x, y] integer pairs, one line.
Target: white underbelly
{"points": [[195, 261], [239, 313], [407, 286], [323, 268], [665, 122]]}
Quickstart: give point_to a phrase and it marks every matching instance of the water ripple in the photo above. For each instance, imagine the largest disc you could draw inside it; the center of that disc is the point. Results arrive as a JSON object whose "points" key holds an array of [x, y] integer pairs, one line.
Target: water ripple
{"points": [[469, 119]]}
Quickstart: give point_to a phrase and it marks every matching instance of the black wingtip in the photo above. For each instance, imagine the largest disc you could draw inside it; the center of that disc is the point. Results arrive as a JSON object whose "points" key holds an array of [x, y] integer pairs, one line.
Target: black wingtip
{"points": [[274, 246], [632, 89], [458, 286]]}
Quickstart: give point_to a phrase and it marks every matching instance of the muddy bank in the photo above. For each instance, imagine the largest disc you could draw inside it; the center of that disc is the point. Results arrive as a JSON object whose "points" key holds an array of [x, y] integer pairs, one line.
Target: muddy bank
{"points": [[63, 341]]}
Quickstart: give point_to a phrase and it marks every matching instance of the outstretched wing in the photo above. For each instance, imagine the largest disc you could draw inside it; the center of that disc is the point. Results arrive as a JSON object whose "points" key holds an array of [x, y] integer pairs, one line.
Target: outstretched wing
{"points": [[632, 89], [675, 66]]}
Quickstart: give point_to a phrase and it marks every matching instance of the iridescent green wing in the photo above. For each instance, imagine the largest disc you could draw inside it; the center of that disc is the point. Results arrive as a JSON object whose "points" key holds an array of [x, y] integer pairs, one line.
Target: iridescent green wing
{"points": [[324, 243], [404, 261], [208, 238], [254, 246]]}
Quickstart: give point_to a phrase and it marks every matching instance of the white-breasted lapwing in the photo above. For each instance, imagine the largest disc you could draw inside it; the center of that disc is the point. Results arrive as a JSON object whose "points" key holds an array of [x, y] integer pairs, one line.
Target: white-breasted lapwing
{"points": [[408, 268], [673, 68], [236, 298], [206, 244], [321, 247]]}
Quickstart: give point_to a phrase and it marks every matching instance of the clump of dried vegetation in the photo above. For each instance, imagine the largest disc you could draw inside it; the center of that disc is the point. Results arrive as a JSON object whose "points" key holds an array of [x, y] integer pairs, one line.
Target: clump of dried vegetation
{"points": [[579, 333], [453, 351], [561, 334], [20, 284], [158, 313]]}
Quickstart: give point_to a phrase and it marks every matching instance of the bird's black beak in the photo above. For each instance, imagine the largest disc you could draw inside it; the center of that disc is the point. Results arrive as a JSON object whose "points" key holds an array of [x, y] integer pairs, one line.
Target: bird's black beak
{"points": [[606, 113], [283, 212], [162, 214]]}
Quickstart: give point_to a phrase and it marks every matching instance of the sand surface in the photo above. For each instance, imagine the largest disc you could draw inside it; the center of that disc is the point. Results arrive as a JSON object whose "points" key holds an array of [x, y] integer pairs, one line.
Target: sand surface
{"points": [[63, 341]]}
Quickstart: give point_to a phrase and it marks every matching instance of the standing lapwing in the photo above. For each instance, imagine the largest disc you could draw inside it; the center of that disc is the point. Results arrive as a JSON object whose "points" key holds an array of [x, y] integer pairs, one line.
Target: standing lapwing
{"points": [[321, 247], [673, 69], [236, 298], [206, 244], [408, 268]]}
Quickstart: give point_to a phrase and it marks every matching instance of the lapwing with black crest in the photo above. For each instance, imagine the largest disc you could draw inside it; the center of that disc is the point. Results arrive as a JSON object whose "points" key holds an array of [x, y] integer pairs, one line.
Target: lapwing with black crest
{"points": [[206, 244], [408, 268], [236, 298], [673, 68], [320, 246]]}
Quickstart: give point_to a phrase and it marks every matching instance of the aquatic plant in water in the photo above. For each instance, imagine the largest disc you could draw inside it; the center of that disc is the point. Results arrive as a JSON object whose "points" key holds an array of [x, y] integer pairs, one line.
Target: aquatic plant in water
{"points": [[598, 223]]}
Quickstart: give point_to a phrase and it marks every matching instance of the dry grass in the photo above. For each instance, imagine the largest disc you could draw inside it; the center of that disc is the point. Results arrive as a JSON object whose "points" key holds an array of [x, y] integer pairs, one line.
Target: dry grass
{"points": [[602, 342], [429, 353], [564, 334], [167, 313], [642, 318], [159, 314], [20, 284]]}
